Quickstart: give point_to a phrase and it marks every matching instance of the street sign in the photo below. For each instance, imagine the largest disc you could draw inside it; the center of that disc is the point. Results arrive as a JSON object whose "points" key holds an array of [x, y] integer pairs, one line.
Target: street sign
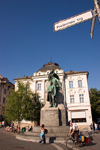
{"points": [[63, 24]]}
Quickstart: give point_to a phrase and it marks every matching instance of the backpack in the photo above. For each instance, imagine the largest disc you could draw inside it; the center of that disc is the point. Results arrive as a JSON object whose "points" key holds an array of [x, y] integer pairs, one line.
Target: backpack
{"points": [[46, 131]]}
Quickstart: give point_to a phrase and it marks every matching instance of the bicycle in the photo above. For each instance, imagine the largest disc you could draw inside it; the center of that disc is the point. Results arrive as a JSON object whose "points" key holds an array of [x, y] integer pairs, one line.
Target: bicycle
{"points": [[71, 142]]}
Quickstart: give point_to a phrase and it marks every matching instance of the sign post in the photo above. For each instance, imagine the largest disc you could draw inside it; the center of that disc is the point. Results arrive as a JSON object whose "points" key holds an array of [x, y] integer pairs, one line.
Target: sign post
{"points": [[93, 22], [97, 6]]}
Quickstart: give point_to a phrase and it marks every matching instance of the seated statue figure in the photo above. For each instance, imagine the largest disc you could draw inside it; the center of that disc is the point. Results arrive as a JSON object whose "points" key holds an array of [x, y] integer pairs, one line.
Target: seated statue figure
{"points": [[53, 88]]}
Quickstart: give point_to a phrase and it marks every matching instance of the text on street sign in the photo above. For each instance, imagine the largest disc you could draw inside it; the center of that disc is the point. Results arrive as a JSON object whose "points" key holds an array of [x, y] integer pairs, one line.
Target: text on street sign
{"points": [[63, 24]]}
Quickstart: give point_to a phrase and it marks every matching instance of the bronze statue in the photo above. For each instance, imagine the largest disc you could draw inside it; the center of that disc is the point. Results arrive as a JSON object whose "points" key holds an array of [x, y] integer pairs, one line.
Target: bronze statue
{"points": [[53, 88]]}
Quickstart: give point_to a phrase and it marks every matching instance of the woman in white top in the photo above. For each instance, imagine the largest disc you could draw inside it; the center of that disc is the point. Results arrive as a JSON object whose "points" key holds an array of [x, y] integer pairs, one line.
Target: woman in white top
{"points": [[43, 134]]}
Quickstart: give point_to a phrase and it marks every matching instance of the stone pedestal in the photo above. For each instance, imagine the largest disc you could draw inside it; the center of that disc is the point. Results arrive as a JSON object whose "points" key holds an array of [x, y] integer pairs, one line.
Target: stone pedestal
{"points": [[62, 115], [54, 119], [50, 116], [54, 116]]}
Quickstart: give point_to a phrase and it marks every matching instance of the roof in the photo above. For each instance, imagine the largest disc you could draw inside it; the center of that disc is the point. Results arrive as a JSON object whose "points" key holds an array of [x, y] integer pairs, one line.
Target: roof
{"points": [[49, 66], [75, 72], [4, 80], [25, 77]]}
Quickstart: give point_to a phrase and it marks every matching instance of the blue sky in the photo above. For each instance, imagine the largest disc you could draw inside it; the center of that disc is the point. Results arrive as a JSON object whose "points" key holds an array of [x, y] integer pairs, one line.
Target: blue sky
{"points": [[27, 39]]}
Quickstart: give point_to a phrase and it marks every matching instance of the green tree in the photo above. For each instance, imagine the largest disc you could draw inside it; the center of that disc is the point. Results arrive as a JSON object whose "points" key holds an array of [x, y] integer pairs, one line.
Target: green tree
{"points": [[95, 103], [23, 104]]}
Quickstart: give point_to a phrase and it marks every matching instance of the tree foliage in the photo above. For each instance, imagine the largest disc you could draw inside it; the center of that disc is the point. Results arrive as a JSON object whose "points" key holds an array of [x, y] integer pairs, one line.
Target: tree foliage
{"points": [[95, 103], [23, 104]]}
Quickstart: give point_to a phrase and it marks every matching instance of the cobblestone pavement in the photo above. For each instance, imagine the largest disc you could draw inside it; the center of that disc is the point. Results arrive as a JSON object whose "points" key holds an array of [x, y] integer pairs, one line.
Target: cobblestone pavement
{"points": [[8, 141]]}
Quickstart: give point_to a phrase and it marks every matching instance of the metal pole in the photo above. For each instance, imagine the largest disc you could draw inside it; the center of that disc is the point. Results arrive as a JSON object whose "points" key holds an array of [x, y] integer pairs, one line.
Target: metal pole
{"points": [[97, 6]]}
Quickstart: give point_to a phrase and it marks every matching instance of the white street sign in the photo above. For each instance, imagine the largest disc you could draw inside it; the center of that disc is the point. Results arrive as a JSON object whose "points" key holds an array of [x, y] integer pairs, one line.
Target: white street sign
{"points": [[63, 24]]}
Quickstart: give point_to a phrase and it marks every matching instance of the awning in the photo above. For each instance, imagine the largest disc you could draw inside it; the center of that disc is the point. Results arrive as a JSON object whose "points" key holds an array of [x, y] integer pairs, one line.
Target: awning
{"points": [[78, 114]]}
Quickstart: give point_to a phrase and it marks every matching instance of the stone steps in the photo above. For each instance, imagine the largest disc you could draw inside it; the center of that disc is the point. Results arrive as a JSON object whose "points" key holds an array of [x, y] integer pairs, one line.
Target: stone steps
{"points": [[37, 138], [55, 134], [48, 134], [52, 129]]}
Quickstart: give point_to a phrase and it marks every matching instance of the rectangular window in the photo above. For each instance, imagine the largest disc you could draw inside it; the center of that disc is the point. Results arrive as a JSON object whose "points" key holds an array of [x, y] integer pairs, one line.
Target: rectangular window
{"points": [[4, 91], [39, 86], [3, 110], [81, 98], [71, 98], [4, 100], [78, 120], [70, 84], [79, 83]]}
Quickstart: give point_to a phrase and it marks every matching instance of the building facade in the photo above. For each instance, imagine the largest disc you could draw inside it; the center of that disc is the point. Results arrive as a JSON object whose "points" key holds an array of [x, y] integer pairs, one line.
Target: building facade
{"points": [[77, 98], [5, 87], [74, 90]]}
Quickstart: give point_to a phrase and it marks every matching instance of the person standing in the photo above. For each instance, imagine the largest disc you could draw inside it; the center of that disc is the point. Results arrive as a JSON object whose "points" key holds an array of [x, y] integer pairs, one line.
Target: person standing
{"points": [[91, 126], [43, 134], [96, 127], [2, 123], [12, 126]]}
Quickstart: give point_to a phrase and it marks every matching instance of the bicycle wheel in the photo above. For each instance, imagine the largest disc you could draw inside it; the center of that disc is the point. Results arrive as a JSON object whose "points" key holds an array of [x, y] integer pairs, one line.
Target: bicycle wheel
{"points": [[70, 143]]}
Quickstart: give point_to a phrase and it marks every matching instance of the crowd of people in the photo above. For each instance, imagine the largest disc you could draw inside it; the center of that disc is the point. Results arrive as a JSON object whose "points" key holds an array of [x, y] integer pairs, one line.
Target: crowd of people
{"points": [[15, 128], [12, 128]]}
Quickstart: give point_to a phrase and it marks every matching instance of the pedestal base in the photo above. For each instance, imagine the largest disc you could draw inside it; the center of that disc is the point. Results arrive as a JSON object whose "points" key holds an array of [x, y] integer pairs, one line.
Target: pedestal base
{"points": [[50, 117], [53, 116]]}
